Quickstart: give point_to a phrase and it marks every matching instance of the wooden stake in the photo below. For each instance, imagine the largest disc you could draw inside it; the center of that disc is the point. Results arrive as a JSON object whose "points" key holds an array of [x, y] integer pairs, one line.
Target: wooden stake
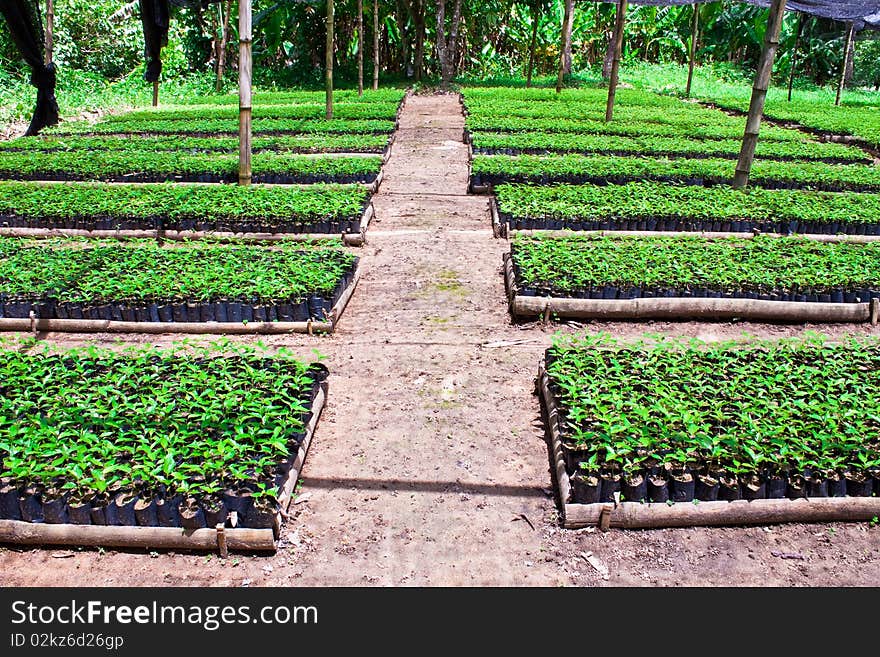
{"points": [[328, 56], [846, 48], [375, 44], [155, 93], [50, 30], [695, 28], [794, 54], [535, 18], [360, 47], [759, 95], [224, 37], [619, 24], [565, 37], [245, 75]]}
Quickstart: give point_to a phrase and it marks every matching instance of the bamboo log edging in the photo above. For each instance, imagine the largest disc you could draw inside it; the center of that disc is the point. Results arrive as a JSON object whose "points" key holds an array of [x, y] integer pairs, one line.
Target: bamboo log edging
{"points": [[359, 239], [713, 235], [650, 515], [221, 539], [685, 307], [35, 325]]}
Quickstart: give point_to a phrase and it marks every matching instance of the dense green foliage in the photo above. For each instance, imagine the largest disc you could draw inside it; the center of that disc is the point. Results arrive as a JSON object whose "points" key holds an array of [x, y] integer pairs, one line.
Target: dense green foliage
{"points": [[94, 272], [744, 411], [139, 164], [769, 173], [92, 422], [286, 205], [225, 126], [684, 146], [656, 200], [309, 143], [566, 265]]}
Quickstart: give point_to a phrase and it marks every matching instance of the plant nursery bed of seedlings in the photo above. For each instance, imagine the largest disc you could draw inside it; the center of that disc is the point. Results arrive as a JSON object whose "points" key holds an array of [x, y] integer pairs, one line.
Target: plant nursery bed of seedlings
{"points": [[100, 209], [153, 448], [488, 171], [676, 433], [649, 206], [781, 279], [143, 287]]}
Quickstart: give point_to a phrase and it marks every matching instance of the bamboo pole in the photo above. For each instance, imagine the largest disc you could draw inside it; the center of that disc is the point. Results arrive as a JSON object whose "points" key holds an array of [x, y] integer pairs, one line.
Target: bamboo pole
{"points": [[50, 31], [224, 37], [794, 54], [360, 47], [245, 73], [619, 25], [569, 7], [846, 48], [328, 58], [162, 538], [375, 45], [692, 307], [533, 43], [155, 328], [695, 28], [759, 95]]}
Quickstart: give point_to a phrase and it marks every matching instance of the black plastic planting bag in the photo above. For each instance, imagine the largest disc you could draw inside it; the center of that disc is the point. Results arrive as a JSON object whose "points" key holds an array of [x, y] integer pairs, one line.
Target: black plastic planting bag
{"points": [[155, 19], [26, 28]]}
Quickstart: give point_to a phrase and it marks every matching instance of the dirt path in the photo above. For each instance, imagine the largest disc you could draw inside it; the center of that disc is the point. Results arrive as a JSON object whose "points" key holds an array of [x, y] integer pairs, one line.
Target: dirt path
{"points": [[429, 465]]}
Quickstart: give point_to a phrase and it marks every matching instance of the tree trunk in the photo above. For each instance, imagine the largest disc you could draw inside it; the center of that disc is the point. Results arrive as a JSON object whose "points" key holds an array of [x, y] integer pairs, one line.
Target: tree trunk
{"points": [[608, 61], [568, 26], [566, 44], [846, 66], [535, 18], [360, 47], [224, 38], [419, 19], [794, 54], [759, 95], [695, 33], [50, 30], [328, 61], [375, 44], [245, 72], [619, 28], [446, 44]]}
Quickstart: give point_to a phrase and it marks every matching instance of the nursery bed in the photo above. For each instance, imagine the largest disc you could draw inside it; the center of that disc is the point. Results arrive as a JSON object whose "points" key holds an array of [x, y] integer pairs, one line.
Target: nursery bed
{"points": [[646, 207], [592, 277], [161, 520], [657, 494], [171, 210], [191, 289]]}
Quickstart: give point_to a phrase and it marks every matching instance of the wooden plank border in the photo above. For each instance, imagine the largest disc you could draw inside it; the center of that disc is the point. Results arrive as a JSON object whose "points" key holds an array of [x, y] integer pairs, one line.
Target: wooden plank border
{"points": [[17, 532], [35, 325], [650, 515], [684, 307]]}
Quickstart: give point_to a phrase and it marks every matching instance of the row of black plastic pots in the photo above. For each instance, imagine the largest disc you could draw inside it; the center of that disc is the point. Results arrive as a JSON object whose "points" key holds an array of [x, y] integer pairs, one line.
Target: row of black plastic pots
{"points": [[314, 307], [669, 155], [667, 224], [687, 486], [234, 311], [612, 292], [481, 181], [331, 226], [137, 509], [229, 178]]}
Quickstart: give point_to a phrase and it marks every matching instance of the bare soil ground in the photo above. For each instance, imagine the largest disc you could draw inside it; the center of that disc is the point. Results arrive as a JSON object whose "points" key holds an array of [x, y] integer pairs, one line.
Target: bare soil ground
{"points": [[429, 466]]}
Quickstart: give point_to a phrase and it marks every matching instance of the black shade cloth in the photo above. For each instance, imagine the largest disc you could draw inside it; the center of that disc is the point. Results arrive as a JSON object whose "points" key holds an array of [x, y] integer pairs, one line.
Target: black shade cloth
{"points": [[26, 29], [863, 13], [154, 16]]}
